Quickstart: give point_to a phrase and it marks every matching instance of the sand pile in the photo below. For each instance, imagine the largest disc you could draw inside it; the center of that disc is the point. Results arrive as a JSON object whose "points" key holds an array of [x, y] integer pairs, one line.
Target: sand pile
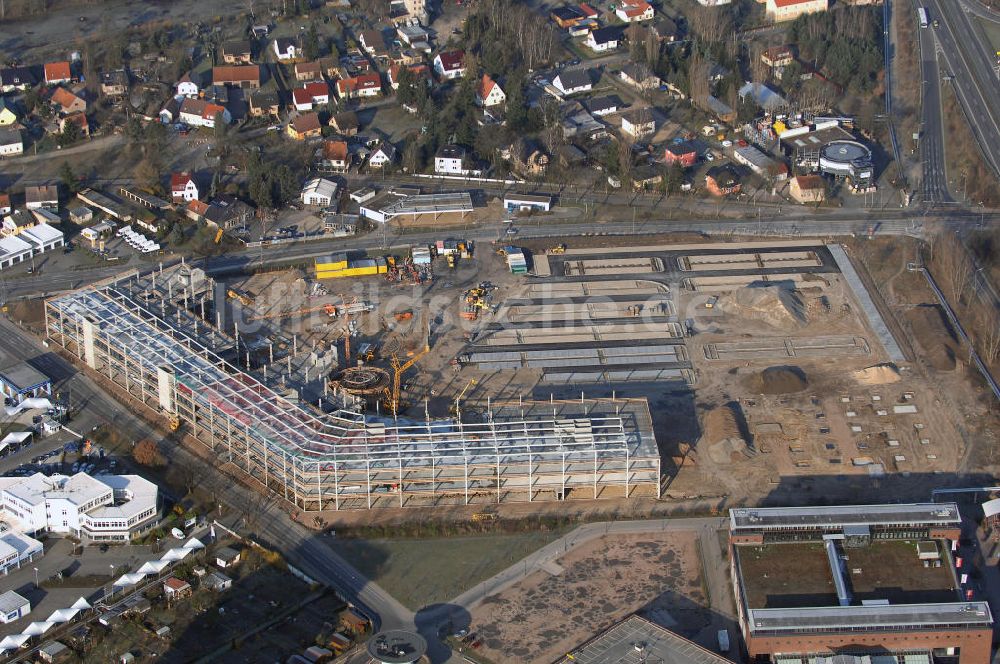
{"points": [[880, 374], [775, 305], [778, 380], [722, 433]]}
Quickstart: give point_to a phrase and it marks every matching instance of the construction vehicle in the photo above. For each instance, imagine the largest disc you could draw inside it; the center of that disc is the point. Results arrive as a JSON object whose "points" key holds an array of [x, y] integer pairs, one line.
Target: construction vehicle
{"points": [[366, 352], [451, 261], [558, 249], [218, 236], [484, 516], [404, 315], [242, 297], [328, 308], [175, 423], [455, 407]]}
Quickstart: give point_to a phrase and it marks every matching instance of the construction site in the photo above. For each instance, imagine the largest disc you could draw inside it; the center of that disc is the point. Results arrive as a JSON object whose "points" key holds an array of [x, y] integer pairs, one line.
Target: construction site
{"points": [[459, 374]]}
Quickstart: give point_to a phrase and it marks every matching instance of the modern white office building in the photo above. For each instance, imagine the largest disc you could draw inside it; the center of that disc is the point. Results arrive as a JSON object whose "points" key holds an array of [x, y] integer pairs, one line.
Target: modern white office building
{"points": [[108, 509]]}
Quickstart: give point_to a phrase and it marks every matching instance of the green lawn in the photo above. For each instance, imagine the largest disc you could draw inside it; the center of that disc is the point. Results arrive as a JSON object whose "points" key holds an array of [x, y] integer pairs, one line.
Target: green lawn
{"points": [[420, 572]]}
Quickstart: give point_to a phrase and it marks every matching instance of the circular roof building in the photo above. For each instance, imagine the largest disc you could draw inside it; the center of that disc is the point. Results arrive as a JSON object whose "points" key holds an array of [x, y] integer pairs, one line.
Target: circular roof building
{"points": [[397, 646], [844, 158]]}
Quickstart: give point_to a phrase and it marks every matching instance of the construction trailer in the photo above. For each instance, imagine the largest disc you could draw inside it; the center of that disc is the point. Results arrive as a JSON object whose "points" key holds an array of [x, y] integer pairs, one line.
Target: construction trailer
{"points": [[338, 266], [523, 451]]}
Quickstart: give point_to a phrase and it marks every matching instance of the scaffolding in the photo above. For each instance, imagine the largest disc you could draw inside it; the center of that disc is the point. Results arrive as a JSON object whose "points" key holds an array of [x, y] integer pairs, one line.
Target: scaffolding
{"points": [[523, 451]]}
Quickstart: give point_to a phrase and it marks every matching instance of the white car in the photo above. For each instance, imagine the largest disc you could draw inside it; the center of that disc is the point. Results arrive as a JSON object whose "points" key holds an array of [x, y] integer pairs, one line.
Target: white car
{"points": [[727, 143]]}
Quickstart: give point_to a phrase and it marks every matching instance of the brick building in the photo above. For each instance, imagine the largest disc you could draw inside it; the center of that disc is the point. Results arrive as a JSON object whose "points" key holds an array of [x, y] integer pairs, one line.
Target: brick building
{"points": [[868, 581]]}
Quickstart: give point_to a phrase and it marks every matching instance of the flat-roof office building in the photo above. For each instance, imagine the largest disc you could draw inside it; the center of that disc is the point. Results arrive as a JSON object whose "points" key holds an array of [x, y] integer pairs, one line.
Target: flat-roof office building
{"points": [[875, 582]]}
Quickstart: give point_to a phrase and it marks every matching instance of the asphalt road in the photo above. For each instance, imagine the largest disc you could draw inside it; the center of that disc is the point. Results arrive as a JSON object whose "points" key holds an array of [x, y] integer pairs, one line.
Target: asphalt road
{"points": [[966, 55], [934, 181]]}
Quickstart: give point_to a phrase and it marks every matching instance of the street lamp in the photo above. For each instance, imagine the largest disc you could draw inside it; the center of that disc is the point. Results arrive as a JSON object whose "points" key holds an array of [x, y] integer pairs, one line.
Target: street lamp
{"points": [[36, 577]]}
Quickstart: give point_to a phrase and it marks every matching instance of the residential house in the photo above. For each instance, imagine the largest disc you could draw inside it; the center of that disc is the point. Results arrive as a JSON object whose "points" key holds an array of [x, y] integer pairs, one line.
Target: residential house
{"points": [[66, 103], [16, 78], [720, 109], [646, 176], [175, 589], [78, 215], [382, 156], [53, 652], [217, 582], [5, 204], [684, 153], [777, 56], [8, 115], [304, 126], [527, 158], [566, 17], [11, 143], [372, 42], [807, 189], [638, 123], [264, 103], [183, 187], [114, 83], [664, 30], [450, 160], [188, 86], [13, 606], [573, 81], [489, 93], [237, 76], [237, 52], [200, 113], [170, 111], [364, 85], [226, 211], [603, 105], [634, 11], [722, 180], [587, 11], [334, 157], [419, 71], [311, 95], [789, 10], [286, 49], [16, 222], [42, 196], [345, 123], [450, 65], [639, 76], [57, 72], [318, 192], [78, 119], [604, 39], [413, 35], [308, 71], [196, 210]]}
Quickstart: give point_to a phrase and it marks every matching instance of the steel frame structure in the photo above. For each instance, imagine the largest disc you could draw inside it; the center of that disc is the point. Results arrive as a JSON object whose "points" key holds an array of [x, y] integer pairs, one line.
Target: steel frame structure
{"points": [[344, 460]]}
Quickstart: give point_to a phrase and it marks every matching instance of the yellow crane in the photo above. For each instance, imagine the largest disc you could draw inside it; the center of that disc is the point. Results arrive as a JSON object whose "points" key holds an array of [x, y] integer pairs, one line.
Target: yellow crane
{"points": [[397, 373], [328, 308]]}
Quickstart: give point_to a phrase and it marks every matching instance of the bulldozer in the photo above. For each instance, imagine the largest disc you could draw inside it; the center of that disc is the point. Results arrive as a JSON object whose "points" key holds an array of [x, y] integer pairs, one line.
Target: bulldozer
{"points": [[558, 249]]}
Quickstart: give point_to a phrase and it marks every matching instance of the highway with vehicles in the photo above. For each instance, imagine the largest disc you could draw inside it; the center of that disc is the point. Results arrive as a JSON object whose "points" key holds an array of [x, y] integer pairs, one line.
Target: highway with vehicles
{"points": [[934, 176], [964, 55]]}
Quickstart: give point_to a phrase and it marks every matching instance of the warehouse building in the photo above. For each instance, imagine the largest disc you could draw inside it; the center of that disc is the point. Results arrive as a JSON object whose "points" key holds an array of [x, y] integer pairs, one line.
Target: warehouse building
{"points": [[347, 460], [416, 208], [877, 580]]}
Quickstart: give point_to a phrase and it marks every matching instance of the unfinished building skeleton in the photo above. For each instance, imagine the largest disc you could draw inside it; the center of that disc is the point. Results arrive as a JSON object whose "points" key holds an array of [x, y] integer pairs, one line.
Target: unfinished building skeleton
{"points": [[345, 460]]}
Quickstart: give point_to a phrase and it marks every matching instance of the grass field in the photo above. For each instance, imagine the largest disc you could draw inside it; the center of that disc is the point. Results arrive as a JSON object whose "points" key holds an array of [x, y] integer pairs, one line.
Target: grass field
{"points": [[420, 572], [992, 31]]}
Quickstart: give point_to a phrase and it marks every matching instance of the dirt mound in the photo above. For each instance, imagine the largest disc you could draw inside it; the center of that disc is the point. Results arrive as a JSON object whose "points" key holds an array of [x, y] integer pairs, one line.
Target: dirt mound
{"points": [[778, 380], [723, 433], [880, 374], [775, 305], [934, 336]]}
